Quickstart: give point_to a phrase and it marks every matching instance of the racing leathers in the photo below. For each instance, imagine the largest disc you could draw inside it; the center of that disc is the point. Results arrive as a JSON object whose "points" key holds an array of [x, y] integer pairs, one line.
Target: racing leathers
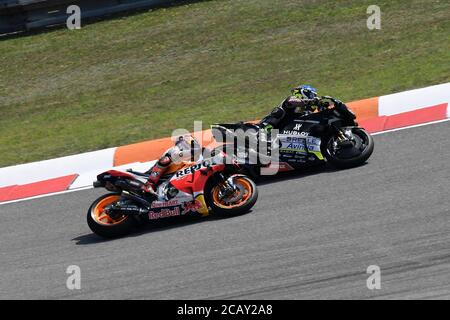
{"points": [[185, 149], [286, 110]]}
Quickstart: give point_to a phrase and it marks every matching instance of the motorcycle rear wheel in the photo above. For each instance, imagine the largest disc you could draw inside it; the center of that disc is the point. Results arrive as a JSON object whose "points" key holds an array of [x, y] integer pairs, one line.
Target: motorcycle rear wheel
{"points": [[102, 224]]}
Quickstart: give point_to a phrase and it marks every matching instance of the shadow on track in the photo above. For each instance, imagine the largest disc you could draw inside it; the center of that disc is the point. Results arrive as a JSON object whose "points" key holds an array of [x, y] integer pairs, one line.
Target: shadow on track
{"points": [[322, 168], [154, 226]]}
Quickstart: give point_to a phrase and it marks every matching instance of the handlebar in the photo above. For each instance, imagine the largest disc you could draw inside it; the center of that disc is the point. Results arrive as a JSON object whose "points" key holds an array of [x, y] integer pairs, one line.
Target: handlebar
{"points": [[323, 104], [335, 101]]}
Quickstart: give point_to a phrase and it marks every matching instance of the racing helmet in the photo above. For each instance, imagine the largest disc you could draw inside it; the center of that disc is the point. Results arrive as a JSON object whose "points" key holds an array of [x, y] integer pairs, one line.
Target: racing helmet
{"points": [[305, 92]]}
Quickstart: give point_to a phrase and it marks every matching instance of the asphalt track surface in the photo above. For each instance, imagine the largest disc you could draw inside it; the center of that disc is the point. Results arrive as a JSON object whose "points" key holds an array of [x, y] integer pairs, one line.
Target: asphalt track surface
{"points": [[311, 235]]}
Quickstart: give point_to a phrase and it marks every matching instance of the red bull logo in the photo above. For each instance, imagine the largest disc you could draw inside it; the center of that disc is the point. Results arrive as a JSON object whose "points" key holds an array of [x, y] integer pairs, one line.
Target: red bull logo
{"points": [[164, 213], [192, 206]]}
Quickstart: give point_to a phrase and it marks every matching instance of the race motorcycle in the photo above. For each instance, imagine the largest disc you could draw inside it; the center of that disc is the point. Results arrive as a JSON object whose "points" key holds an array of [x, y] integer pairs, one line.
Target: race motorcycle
{"points": [[209, 185], [329, 135]]}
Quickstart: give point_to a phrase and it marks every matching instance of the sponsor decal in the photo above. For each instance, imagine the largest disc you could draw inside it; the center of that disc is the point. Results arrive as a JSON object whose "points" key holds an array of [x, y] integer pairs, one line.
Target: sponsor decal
{"points": [[192, 206], [313, 140], [295, 139], [162, 204], [295, 133], [282, 166], [193, 168], [300, 144], [178, 210], [164, 213], [293, 148], [298, 126], [296, 146]]}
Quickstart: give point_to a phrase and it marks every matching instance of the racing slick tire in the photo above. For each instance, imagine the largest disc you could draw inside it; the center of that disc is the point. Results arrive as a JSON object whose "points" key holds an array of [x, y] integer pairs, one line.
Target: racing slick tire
{"points": [[363, 149], [102, 224], [239, 204]]}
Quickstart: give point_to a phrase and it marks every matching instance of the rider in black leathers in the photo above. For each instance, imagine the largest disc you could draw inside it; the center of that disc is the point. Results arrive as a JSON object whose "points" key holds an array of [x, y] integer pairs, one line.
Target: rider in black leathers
{"points": [[304, 99]]}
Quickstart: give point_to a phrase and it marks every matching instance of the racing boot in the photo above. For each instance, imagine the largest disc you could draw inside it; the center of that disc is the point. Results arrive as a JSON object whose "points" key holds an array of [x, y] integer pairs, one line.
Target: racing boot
{"points": [[155, 173]]}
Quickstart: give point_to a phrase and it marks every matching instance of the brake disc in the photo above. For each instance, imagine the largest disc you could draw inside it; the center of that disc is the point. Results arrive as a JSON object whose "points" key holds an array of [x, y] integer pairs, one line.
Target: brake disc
{"points": [[236, 198]]}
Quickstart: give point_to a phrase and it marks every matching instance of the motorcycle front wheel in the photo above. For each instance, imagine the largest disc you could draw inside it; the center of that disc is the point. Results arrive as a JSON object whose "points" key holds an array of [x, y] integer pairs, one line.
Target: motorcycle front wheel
{"points": [[240, 202], [354, 153]]}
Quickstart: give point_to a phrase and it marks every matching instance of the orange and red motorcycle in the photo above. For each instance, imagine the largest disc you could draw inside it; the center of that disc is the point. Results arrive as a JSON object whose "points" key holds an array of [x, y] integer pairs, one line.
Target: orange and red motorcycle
{"points": [[209, 185]]}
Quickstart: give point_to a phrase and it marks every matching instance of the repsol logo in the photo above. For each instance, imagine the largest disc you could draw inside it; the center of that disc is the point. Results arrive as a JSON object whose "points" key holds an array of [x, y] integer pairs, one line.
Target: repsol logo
{"points": [[193, 168]]}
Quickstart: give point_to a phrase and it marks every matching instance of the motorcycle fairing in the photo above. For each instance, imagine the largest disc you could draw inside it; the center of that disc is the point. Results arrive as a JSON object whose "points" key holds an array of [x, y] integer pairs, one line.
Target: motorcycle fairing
{"points": [[296, 145], [192, 180], [178, 206], [189, 196], [183, 203]]}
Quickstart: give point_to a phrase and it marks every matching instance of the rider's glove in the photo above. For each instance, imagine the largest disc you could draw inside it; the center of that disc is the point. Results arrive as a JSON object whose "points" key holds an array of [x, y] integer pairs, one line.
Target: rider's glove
{"points": [[322, 104]]}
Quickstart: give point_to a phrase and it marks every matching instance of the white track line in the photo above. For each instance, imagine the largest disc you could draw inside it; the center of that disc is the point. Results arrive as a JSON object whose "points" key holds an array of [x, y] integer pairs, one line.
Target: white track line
{"points": [[91, 187], [409, 127], [47, 195]]}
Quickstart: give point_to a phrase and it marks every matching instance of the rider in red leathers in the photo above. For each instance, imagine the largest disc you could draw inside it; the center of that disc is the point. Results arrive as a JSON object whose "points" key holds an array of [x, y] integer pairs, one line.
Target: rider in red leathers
{"points": [[186, 148]]}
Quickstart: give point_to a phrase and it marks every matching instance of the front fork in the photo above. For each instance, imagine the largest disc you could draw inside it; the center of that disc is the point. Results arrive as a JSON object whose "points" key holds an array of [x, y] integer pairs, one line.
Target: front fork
{"points": [[344, 138], [343, 134], [227, 186]]}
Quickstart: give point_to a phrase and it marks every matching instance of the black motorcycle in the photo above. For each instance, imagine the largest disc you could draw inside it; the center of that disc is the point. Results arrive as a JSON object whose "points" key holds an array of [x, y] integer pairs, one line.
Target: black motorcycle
{"points": [[329, 135]]}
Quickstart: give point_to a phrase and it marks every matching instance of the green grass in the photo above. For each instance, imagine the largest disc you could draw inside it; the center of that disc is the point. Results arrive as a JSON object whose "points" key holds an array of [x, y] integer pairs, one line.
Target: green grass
{"points": [[139, 77]]}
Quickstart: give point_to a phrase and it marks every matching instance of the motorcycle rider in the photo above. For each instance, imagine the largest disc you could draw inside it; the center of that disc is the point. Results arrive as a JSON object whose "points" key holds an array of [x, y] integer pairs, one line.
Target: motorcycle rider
{"points": [[186, 148], [304, 99]]}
